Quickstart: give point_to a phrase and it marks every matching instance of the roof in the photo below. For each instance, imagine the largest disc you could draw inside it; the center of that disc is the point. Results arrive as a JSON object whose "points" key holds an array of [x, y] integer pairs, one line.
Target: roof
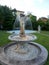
{"points": [[20, 11], [43, 19]]}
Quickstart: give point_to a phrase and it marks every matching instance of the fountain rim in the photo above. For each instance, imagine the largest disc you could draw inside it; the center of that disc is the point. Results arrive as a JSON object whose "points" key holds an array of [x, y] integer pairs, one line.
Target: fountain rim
{"points": [[33, 38], [32, 43], [39, 60]]}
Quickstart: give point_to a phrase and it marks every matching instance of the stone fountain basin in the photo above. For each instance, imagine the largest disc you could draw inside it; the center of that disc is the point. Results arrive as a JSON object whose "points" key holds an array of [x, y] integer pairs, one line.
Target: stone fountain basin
{"points": [[17, 38], [39, 60], [33, 52]]}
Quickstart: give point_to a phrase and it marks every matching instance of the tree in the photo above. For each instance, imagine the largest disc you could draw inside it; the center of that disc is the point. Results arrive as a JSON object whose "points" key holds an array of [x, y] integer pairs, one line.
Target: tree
{"points": [[32, 17], [44, 23], [47, 25], [33, 20], [14, 13], [6, 17], [1, 14]]}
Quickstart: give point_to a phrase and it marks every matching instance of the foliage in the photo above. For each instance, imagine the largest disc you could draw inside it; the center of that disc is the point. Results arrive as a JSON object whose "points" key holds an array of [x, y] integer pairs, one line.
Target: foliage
{"points": [[47, 25], [28, 24], [1, 14], [43, 22], [33, 21], [32, 17], [44, 25], [6, 17]]}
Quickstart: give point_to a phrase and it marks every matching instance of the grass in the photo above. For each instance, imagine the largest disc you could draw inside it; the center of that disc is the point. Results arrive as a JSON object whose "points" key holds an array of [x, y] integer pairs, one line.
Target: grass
{"points": [[45, 32], [41, 39], [4, 38]]}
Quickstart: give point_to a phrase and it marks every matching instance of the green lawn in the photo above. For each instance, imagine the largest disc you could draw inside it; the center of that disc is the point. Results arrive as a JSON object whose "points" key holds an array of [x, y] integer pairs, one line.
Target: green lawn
{"points": [[45, 32], [41, 39], [4, 38]]}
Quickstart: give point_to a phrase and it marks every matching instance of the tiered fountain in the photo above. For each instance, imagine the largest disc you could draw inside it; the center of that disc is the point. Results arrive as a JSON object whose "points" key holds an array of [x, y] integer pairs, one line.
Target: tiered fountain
{"points": [[22, 51]]}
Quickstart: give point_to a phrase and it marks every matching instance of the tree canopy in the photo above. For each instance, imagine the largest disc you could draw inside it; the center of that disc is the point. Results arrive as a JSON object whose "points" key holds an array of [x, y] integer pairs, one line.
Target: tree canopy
{"points": [[6, 17]]}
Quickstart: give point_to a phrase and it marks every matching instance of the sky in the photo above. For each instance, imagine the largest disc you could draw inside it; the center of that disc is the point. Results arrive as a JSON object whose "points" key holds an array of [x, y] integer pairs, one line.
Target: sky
{"points": [[39, 8]]}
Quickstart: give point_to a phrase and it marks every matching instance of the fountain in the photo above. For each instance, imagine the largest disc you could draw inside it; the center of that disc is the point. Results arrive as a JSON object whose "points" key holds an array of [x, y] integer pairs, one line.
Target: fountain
{"points": [[22, 37], [22, 51]]}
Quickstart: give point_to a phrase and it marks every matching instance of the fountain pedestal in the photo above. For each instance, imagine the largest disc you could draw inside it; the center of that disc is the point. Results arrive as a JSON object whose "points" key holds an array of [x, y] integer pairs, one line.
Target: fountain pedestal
{"points": [[22, 27], [21, 48]]}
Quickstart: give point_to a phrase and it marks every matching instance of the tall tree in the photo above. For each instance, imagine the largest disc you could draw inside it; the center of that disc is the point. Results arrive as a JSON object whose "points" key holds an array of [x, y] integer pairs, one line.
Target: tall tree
{"points": [[6, 17]]}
